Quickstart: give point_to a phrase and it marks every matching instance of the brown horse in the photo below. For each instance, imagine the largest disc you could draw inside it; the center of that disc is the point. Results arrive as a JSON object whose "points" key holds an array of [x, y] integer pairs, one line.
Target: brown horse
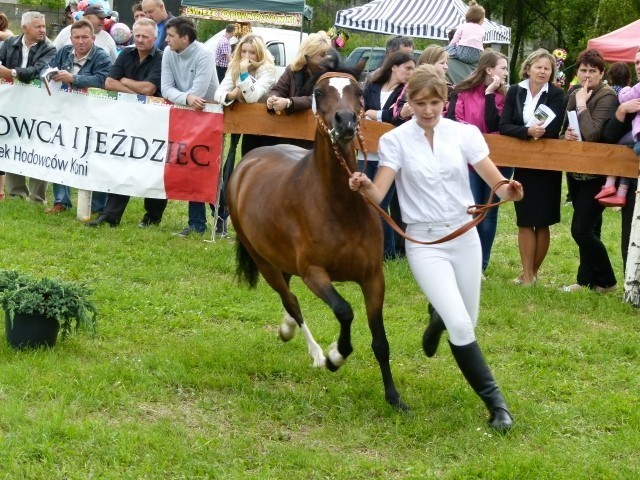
{"points": [[294, 214]]}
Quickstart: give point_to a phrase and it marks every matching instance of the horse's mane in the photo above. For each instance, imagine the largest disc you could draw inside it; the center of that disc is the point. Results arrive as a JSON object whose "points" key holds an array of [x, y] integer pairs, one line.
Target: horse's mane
{"points": [[333, 62]]}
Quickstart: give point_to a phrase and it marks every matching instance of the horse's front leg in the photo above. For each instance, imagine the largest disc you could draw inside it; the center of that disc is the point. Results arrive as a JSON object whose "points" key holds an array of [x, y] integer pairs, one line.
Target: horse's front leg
{"points": [[279, 281], [318, 281], [373, 291]]}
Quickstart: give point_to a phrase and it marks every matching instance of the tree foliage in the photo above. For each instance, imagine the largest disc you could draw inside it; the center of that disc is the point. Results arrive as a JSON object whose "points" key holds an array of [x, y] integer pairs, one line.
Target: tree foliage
{"points": [[567, 24], [60, 4]]}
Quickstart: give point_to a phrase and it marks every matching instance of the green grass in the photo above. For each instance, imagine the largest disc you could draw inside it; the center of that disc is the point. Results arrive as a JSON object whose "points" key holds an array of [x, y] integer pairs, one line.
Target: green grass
{"points": [[188, 379]]}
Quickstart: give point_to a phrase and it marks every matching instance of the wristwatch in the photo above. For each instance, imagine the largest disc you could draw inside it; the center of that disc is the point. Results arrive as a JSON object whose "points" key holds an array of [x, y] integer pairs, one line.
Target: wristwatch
{"points": [[14, 74]]}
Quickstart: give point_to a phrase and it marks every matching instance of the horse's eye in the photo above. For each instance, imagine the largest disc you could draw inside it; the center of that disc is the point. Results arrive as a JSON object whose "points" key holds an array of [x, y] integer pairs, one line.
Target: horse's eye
{"points": [[317, 93]]}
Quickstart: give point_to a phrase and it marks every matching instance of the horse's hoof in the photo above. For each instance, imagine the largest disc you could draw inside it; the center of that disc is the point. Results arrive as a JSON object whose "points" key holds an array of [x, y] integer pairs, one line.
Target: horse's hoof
{"points": [[330, 365], [320, 362], [398, 404], [335, 356], [287, 328]]}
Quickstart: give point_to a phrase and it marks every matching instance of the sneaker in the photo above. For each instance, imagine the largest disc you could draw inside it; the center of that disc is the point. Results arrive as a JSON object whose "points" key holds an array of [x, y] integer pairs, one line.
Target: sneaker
{"points": [[606, 192], [613, 201], [610, 289], [56, 209], [572, 288], [185, 232], [101, 220], [147, 223]]}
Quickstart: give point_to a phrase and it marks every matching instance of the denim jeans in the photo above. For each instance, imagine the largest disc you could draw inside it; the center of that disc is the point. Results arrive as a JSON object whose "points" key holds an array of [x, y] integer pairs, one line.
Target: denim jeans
{"points": [[487, 228], [62, 196], [389, 235], [198, 216], [98, 201]]}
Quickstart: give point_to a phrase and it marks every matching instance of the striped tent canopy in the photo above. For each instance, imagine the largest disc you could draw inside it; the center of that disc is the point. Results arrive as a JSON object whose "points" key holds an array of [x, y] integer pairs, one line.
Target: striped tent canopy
{"points": [[415, 18]]}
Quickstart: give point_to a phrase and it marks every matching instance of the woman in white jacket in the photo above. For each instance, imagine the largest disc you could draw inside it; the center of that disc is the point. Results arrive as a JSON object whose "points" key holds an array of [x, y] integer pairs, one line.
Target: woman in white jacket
{"points": [[250, 75]]}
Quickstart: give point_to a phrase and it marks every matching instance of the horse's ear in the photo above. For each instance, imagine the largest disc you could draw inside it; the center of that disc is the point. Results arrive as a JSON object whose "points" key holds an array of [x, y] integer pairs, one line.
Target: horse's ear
{"points": [[332, 61]]}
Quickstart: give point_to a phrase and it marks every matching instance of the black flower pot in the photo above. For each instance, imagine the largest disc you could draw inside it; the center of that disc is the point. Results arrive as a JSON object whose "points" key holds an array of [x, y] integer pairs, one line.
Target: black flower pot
{"points": [[31, 331]]}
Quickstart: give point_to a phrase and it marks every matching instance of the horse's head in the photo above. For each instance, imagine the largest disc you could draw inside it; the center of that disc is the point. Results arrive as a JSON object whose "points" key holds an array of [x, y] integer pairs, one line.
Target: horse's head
{"points": [[337, 104]]}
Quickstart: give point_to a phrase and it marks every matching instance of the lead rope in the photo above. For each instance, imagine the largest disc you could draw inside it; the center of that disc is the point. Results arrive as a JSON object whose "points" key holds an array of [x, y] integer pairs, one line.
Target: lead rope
{"points": [[479, 211]]}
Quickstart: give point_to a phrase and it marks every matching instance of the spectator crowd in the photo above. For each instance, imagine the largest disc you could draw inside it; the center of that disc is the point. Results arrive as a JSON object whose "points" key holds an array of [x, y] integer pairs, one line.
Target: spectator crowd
{"points": [[161, 57]]}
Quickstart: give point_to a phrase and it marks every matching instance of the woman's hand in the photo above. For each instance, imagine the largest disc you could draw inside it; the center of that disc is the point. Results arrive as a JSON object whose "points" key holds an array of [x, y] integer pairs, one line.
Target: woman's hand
{"points": [[278, 104], [234, 94], [371, 115], [571, 135], [406, 111], [536, 131], [245, 64], [632, 106], [582, 96], [358, 180], [511, 191], [494, 85]]}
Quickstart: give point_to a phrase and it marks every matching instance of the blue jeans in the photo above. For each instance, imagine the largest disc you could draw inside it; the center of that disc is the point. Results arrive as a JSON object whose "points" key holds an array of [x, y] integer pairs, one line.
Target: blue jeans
{"points": [[98, 201], [198, 216], [636, 148], [487, 228], [389, 235], [62, 196]]}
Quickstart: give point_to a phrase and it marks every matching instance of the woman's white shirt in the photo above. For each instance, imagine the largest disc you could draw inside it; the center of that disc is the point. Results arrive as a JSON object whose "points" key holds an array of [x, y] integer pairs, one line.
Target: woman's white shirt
{"points": [[433, 185], [530, 102]]}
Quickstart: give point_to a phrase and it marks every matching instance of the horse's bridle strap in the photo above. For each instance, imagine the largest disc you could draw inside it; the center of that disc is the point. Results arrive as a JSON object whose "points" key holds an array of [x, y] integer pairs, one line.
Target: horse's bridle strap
{"points": [[336, 75], [480, 211]]}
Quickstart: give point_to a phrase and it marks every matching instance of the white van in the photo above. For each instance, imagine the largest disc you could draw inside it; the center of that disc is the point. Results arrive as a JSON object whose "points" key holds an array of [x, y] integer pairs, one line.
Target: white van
{"points": [[283, 44]]}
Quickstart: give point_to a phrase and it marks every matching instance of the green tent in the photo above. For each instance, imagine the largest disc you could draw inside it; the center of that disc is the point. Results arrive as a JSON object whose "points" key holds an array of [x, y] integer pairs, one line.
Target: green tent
{"points": [[280, 6], [271, 12]]}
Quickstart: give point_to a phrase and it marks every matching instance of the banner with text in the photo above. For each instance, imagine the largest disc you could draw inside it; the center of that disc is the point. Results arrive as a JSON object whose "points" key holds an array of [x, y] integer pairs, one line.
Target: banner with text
{"points": [[110, 142]]}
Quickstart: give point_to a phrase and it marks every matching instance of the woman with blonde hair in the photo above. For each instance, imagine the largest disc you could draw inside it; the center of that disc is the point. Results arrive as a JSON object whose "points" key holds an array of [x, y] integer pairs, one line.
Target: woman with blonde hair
{"points": [[250, 75], [541, 206], [432, 55], [435, 55], [292, 92]]}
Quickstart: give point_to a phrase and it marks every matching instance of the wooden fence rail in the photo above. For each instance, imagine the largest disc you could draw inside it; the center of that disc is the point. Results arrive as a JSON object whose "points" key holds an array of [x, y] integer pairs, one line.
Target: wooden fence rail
{"points": [[546, 154]]}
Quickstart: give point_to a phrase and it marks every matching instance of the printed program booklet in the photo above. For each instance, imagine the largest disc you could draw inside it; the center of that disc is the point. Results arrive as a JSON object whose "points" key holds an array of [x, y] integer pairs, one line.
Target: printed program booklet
{"points": [[572, 116], [50, 84], [543, 114]]}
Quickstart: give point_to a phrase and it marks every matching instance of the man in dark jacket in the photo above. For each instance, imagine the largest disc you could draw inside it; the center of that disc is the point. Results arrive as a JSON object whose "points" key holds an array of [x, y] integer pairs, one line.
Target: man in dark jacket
{"points": [[22, 57]]}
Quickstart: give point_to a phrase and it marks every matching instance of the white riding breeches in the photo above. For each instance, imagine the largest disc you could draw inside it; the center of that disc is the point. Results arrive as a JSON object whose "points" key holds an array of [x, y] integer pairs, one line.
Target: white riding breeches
{"points": [[449, 274]]}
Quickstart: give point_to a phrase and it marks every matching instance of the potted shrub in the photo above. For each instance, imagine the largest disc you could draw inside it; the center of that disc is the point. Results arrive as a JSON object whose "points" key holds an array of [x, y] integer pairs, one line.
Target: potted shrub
{"points": [[36, 309]]}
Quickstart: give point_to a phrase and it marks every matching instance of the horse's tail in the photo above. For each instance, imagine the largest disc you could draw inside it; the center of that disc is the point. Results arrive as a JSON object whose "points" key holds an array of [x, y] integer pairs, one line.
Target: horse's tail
{"points": [[246, 268]]}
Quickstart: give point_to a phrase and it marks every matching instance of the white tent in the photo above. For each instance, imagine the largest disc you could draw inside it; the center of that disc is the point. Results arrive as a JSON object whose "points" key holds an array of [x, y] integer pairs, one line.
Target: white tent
{"points": [[415, 18]]}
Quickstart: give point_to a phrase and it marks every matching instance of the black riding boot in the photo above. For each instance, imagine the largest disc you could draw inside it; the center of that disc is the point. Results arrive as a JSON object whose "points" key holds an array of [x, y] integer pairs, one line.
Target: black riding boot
{"points": [[475, 370], [433, 332]]}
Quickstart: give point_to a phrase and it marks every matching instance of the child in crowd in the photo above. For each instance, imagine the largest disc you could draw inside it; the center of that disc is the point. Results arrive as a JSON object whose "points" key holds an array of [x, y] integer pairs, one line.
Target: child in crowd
{"points": [[466, 44], [619, 78]]}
